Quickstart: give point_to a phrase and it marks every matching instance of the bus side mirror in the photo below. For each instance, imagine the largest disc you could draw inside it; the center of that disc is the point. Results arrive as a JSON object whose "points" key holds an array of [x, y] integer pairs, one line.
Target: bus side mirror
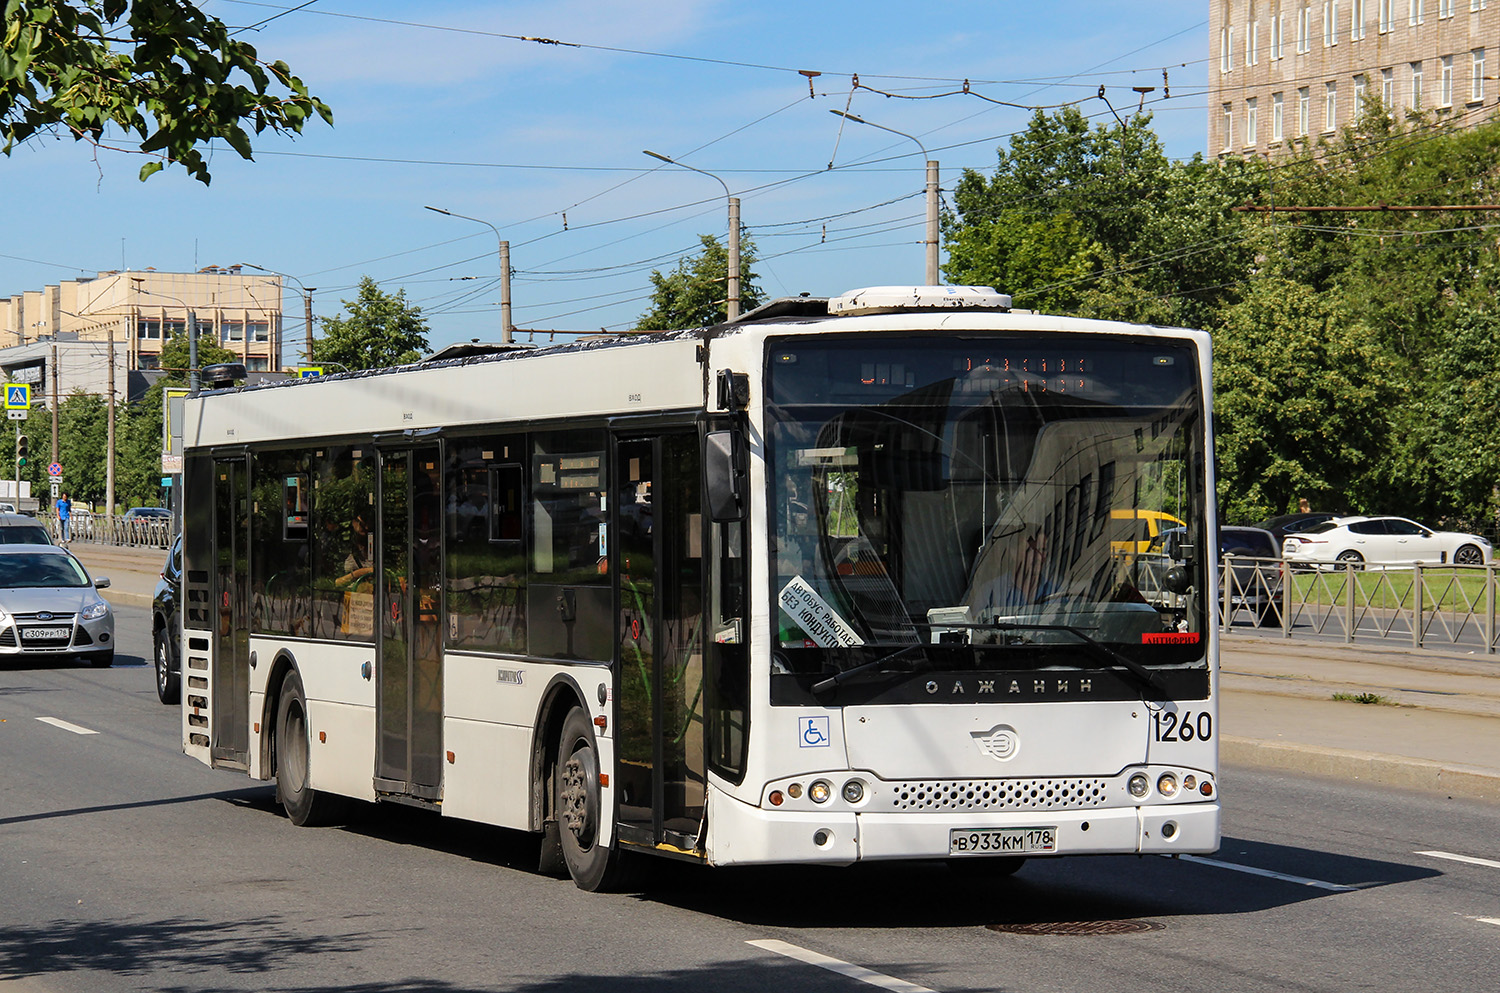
{"points": [[724, 475]]}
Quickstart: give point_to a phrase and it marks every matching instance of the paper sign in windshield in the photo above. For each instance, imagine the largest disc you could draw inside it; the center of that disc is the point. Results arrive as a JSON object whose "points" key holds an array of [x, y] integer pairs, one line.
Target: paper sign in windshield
{"points": [[820, 622]]}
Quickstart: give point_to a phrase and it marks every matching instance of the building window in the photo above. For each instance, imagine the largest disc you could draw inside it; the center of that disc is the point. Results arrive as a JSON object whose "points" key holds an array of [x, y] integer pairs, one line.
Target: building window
{"points": [[176, 327], [232, 331], [1278, 28], [1250, 122], [256, 363], [1445, 94], [1416, 86], [1361, 87], [1388, 88], [1476, 79], [1252, 39], [1304, 102], [1226, 49], [144, 361], [1385, 15], [1356, 19], [1228, 127], [259, 330], [1445, 8], [148, 328], [1330, 23], [1478, 4], [1330, 105], [1414, 13], [1276, 116]]}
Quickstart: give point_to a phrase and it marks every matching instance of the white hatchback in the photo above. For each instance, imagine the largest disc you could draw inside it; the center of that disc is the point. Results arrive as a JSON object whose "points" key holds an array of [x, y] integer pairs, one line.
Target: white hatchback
{"points": [[1382, 541]]}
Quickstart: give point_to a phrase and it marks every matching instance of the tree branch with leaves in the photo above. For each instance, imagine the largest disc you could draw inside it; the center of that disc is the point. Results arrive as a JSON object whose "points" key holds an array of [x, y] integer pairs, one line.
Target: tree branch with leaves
{"points": [[160, 70]]}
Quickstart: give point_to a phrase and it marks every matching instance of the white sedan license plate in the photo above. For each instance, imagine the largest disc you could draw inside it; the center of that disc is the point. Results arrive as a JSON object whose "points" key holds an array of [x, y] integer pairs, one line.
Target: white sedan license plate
{"points": [[1002, 841], [48, 634]]}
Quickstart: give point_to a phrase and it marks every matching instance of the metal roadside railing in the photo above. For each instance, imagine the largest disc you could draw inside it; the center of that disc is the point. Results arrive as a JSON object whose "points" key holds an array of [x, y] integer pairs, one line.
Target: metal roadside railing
{"points": [[146, 532], [1424, 606]]}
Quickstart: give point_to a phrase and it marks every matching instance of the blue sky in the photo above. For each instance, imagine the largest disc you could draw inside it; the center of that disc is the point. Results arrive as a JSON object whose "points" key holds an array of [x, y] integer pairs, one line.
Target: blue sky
{"points": [[438, 103]]}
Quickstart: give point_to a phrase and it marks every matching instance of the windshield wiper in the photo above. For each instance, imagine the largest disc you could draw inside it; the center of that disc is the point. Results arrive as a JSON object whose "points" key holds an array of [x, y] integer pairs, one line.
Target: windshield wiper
{"points": [[839, 678], [1142, 673]]}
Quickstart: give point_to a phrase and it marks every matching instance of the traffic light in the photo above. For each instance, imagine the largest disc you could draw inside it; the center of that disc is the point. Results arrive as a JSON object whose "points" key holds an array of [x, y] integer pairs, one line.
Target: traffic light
{"points": [[21, 447]]}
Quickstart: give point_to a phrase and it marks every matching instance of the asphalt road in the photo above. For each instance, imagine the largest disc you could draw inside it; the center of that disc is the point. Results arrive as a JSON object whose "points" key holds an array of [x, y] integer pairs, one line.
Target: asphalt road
{"points": [[126, 866]]}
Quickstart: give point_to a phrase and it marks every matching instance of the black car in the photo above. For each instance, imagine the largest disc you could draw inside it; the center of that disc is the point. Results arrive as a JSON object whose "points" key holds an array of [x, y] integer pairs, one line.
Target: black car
{"points": [[1287, 524], [166, 628]]}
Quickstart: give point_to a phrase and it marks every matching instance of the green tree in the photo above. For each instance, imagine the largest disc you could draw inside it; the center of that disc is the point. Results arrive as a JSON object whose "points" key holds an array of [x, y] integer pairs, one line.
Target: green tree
{"points": [[176, 355], [693, 294], [82, 437], [1301, 395], [1098, 221], [159, 69], [381, 329]]}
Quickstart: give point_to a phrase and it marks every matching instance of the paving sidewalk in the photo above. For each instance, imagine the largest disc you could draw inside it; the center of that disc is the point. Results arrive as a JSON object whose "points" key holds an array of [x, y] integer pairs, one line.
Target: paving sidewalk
{"points": [[1435, 724], [1437, 727]]}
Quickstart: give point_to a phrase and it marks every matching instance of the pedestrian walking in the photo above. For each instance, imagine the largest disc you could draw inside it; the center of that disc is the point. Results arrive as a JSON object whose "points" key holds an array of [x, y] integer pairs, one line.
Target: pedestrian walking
{"points": [[65, 519]]}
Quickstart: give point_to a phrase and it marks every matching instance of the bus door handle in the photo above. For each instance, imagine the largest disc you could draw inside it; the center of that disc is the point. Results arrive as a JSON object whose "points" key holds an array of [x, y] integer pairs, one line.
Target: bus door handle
{"points": [[567, 605]]}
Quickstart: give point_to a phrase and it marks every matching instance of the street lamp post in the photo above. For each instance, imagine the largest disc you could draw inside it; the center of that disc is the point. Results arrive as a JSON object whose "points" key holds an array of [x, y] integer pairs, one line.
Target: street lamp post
{"points": [[307, 292], [931, 241], [732, 294], [507, 328]]}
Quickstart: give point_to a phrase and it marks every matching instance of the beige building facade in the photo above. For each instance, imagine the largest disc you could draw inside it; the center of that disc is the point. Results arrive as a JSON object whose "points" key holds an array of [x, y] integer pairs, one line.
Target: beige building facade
{"points": [[143, 310], [1284, 70]]}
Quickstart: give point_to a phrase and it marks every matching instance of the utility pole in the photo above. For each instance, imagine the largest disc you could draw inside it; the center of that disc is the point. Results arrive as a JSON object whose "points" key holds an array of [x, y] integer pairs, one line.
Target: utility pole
{"points": [[732, 306], [56, 456], [507, 328], [307, 314], [932, 223], [109, 444]]}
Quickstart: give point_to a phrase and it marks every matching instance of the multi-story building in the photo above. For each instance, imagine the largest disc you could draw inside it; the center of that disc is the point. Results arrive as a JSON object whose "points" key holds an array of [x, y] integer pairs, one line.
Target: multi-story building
{"points": [[1283, 70], [143, 310]]}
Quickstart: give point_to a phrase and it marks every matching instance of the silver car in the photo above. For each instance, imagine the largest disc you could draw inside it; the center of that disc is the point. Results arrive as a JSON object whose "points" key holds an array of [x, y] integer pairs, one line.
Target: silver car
{"points": [[49, 607]]}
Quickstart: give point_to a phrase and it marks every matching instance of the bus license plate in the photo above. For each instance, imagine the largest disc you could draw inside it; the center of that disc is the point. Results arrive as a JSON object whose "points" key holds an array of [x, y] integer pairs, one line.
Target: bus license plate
{"points": [[38, 634], [1001, 841]]}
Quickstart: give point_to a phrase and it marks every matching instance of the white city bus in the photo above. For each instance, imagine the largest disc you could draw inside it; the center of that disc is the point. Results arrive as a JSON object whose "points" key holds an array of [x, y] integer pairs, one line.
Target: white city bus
{"points": [[839, 581]]}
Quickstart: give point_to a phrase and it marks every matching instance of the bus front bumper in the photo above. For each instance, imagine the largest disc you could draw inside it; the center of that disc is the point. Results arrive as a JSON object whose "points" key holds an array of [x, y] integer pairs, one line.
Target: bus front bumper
{"points": [[743, 834]]}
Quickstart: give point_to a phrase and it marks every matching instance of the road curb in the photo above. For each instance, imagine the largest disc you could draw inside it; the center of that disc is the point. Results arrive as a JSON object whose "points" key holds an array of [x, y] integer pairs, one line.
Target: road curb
{"points": [[1367, 767]]}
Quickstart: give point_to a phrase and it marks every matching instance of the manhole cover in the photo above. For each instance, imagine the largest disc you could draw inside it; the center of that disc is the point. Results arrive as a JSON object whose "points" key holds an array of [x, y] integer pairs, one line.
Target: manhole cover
{"points": [[1078, 927]]}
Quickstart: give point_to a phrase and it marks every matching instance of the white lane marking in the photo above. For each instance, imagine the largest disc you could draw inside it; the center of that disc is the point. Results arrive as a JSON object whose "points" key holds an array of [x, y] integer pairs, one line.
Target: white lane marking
{"points": [[59, 723], [1471, 860], [1252, 870], [1489, 920], [839, 966]]}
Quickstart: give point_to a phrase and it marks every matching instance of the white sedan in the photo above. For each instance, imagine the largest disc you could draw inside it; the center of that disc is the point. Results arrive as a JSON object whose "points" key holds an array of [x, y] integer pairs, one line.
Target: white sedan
{"points": [[1383, 541]]}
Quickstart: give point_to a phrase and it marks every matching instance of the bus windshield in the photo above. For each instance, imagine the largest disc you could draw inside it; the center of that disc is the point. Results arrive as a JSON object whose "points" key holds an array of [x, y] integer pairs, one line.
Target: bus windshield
{"points": [[986, 501]]}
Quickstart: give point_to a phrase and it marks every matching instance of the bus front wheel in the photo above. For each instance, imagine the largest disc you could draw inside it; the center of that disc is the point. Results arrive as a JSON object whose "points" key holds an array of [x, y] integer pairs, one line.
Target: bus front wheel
{"points": [[594, 865], [305, 806]]}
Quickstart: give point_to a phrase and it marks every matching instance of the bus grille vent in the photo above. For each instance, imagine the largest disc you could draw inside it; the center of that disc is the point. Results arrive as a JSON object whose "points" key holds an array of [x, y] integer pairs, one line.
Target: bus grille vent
{"points": [[999, 794]]}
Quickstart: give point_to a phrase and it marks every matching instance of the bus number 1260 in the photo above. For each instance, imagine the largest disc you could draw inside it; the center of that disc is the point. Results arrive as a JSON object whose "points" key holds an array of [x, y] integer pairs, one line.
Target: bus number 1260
{"points": [[1171, 726]]}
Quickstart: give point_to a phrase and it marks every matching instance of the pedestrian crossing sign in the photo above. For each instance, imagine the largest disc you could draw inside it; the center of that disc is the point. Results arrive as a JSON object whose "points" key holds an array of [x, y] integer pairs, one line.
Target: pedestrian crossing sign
{"points": [[17, 396]]}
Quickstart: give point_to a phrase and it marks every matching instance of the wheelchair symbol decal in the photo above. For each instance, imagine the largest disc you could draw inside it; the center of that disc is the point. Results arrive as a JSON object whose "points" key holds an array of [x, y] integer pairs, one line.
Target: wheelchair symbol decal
{"points": [[812, 732]]}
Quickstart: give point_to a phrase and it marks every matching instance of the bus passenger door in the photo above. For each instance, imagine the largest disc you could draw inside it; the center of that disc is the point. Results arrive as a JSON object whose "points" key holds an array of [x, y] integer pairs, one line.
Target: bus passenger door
{"points": [[230, 711], [660, 733], [409, 690]]}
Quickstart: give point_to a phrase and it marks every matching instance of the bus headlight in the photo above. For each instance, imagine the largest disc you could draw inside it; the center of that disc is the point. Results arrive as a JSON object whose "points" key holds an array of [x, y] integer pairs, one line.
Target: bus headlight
{"points": [[1139, 785], [1166, 785], [854, 791], [819, 792]]}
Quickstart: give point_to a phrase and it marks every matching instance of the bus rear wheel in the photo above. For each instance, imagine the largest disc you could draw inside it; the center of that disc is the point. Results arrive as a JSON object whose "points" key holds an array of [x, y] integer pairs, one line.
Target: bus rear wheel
{"points": [[594, 865], [305, 806]]}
